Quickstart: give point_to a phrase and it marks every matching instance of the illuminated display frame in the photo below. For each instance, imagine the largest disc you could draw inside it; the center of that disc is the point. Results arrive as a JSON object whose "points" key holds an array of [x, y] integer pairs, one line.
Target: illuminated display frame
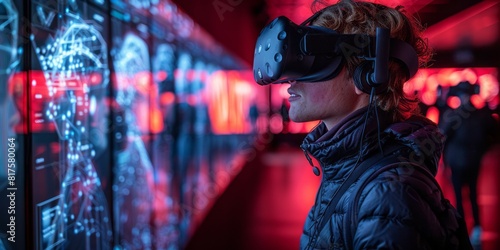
{"points": [[68, 102]]}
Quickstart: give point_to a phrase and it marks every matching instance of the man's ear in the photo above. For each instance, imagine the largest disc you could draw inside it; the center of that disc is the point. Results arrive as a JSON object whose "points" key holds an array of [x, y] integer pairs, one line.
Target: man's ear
{"points": [[358, 91]]}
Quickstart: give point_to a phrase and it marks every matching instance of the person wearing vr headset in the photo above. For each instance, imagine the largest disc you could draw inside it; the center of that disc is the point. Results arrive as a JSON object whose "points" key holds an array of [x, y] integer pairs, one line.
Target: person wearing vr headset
{"points": [[346, 66]]}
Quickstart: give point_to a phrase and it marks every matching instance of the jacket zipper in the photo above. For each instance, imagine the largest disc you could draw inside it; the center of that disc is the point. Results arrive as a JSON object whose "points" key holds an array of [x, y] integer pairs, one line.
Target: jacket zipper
{"points": [[313, 238], [315, 169]]}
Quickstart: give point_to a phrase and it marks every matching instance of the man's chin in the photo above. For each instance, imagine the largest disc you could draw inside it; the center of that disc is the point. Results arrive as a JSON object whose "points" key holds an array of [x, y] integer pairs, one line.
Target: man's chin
{"points": [[298, 119]]}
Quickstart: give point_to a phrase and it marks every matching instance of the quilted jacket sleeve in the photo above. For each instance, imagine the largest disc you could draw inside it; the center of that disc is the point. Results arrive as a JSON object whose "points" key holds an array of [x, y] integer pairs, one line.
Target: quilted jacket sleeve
{"points": [[307, 229], [399, 212]]}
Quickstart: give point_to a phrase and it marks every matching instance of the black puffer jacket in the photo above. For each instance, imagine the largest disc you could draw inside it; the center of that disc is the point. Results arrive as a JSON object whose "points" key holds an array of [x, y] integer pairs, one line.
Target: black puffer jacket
{"points": [[397, 210]]}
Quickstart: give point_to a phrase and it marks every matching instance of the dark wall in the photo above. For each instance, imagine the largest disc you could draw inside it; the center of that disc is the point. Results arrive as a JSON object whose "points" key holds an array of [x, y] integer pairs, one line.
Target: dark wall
{"points": [[234, 23]]}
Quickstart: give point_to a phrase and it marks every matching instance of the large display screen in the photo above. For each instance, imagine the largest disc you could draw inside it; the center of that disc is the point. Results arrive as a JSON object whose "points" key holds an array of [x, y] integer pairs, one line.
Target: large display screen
{"points": [[68, 80], [12, 221], [125, 121]]}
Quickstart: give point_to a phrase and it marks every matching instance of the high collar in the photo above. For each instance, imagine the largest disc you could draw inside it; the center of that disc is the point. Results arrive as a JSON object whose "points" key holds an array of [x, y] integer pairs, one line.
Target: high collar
{"points": [[343, 140], [332, 148]]}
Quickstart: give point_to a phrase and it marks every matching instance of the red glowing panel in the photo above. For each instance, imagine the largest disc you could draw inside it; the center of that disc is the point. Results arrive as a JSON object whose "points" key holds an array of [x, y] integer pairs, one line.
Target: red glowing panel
{"points": [[235, 103], [294, 127], [240, 94], [428, 98], [476, 26], [167, 98], [426, 83], [218, 103], [33, 119], [468, 75], [453, 102], [143, 82], [433, 114], [156, 121], [161, 76], [416, 83], [489, 87], [477, 101], [95, 78]]}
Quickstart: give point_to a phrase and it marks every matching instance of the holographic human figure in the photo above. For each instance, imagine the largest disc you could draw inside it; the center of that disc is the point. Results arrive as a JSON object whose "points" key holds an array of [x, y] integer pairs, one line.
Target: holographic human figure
{"points": [[183, 134], [163, 77], [134, 183], [75, 67], [202, 132], [163, 65]]}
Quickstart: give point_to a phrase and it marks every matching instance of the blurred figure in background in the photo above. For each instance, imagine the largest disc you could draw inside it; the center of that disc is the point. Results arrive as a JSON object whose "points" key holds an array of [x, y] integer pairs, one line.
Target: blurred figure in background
{"points": [[133, 168], [470, 132]]}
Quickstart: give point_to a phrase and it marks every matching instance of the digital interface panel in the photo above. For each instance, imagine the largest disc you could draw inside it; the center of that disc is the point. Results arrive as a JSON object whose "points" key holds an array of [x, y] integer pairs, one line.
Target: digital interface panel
{"points": [[129, 121], [69, 78]]}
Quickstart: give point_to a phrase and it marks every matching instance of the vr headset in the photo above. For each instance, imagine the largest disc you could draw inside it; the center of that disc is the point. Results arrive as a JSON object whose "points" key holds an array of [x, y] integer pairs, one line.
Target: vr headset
{"points": [[286, 52]]}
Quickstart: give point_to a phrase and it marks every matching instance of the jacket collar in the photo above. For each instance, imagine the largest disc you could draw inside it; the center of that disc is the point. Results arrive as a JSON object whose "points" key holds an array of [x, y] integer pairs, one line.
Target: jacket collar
{"points": [[329, 147], [343, 140]]}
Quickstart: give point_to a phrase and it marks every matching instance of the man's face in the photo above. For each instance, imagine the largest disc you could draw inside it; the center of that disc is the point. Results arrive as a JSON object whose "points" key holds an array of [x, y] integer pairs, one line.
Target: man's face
{"points": [[329, 101]]}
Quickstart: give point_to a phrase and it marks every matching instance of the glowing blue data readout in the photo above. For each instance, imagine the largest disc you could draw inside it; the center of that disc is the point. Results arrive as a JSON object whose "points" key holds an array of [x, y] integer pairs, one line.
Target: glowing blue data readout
{"points": [[71, 82], [129, 122]]}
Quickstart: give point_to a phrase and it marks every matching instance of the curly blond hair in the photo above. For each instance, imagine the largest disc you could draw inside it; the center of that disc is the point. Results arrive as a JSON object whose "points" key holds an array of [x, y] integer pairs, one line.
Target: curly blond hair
{"points": [[357, 17]]}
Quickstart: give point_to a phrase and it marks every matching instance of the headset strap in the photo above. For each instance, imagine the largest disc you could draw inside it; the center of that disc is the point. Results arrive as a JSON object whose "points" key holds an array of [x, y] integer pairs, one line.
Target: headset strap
{"points": [[364, 46]]}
